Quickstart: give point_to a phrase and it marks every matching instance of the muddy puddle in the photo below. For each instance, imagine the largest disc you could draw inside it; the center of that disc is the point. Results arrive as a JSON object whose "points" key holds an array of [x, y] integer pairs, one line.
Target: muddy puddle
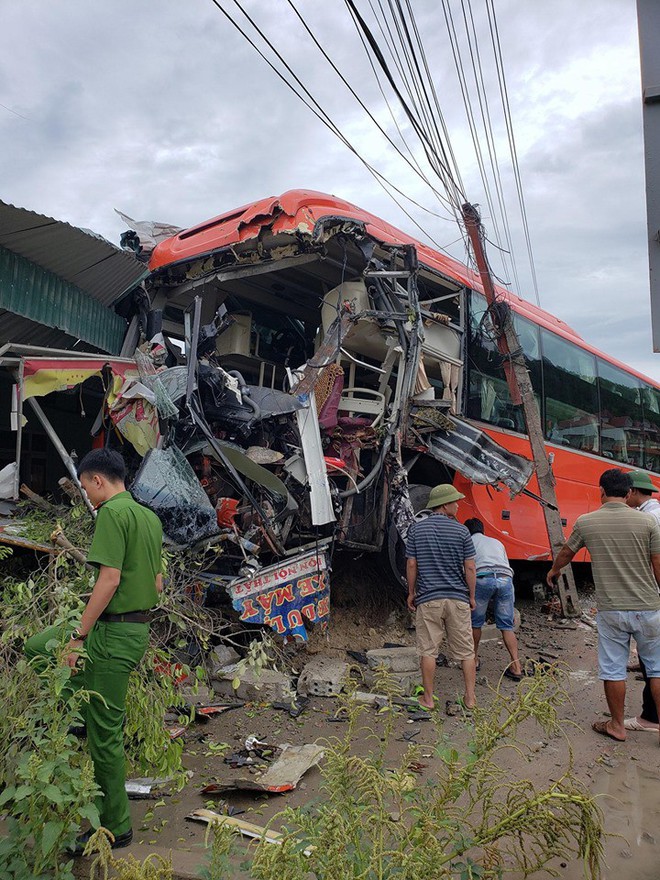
{"points": [[630, 800]]}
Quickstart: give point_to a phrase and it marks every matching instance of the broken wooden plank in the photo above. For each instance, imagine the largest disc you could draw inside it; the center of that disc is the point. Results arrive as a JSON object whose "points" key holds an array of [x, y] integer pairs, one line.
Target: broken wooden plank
{"points": [[247, 829]]}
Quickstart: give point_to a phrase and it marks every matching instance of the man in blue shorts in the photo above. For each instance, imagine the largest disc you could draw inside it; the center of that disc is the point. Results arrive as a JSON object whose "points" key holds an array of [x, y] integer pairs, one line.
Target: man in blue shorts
{"points": [[624, 545], [494, 581]]}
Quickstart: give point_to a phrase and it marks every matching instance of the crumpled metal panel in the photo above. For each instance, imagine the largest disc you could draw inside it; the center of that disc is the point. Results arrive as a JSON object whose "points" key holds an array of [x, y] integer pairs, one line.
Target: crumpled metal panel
{"points": [[471, 451]]}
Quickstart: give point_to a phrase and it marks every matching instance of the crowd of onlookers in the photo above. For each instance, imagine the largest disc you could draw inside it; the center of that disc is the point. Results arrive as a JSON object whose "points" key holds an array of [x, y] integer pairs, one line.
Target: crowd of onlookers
{"points": [[455, 571]]}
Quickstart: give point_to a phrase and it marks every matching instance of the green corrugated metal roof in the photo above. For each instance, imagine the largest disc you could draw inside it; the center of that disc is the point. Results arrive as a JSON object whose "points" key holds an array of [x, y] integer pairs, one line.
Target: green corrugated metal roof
{"points": [[35, 293]]}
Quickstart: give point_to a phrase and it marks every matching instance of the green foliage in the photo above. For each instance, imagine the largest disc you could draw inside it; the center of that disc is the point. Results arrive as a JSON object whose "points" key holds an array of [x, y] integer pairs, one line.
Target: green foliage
{"points": [[473, 820], [106, 865], [151, 692], [73, 518], [47, 781], [219, 865], [5, 552]]}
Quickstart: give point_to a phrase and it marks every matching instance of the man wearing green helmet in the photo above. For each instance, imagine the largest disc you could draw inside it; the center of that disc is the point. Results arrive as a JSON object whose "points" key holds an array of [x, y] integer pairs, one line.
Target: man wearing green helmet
{"points": [[441, 575], [641, 498]]}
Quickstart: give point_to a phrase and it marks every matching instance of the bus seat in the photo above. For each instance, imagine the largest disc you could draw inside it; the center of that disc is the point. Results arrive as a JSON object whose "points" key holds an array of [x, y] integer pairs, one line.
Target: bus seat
{"points": [[369, 404]]}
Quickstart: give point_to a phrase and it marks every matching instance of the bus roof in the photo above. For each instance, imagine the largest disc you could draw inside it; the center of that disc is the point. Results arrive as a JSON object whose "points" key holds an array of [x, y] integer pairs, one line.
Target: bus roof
{"points": [[300, 211]]}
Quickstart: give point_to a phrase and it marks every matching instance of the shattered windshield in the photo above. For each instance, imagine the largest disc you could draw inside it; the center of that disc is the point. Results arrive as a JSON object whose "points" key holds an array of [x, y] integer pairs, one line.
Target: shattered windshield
{"points": [[166, 483]]}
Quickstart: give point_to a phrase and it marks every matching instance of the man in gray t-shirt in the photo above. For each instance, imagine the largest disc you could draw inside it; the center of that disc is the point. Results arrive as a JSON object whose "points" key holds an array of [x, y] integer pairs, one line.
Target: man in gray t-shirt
{"points": [[625, 559], [441, 579]]}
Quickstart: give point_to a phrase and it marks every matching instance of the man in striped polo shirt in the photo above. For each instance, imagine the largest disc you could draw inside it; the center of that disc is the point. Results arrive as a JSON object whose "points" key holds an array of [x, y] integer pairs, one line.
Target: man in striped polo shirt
{"points": [[441, 576], [624, 545]]}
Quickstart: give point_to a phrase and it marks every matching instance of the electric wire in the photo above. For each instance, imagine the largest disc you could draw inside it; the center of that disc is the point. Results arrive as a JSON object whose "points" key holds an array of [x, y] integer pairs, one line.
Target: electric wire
{"points": [[438, 163], [506, 107], [408, 76], [477, 69], [380, 128], [313, 105], [472, 125]]}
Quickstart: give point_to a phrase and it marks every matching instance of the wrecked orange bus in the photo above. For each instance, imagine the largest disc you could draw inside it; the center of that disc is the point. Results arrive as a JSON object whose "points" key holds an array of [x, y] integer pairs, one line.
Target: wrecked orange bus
{"points": [[296, 374], [283, 265]]}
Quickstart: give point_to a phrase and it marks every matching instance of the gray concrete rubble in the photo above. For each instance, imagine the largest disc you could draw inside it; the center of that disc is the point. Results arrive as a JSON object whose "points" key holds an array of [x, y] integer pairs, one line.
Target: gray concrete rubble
{"points": [[377, 700], [224, 655], [199, 696], [490, 632], [268, 686], [323, 677], [394, 659]]}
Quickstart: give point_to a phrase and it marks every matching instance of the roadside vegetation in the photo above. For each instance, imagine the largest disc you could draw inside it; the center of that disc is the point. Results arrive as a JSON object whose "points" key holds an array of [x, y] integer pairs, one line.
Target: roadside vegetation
{"points": [[376, 818]]}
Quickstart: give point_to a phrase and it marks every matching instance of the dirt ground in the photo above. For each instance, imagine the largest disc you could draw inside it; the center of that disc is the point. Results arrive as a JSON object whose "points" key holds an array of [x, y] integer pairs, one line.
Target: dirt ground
{"points": [[627, 775]]}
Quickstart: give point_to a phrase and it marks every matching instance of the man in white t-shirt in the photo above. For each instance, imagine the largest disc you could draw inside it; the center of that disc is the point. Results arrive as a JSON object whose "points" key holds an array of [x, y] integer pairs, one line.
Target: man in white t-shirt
{"points": [[641, 497], [494, 581]]}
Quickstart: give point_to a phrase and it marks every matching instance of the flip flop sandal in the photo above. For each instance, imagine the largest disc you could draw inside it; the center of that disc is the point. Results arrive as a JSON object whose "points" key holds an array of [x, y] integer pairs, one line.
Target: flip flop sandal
{"points": [[633, 724], [512, 675], [601, 728]]}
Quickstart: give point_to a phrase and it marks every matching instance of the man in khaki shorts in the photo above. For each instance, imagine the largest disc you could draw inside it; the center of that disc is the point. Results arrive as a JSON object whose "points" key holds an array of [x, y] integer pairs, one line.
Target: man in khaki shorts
{"points": [[441, 576]]}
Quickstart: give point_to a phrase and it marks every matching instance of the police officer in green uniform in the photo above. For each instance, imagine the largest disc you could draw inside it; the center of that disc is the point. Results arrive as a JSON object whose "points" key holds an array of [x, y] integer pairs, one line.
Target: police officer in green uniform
{"points": [[114, 627]]}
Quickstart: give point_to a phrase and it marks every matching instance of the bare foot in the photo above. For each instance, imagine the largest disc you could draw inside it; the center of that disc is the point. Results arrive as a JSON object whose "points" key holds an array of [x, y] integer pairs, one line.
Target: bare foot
{"points": [[424, 704]]}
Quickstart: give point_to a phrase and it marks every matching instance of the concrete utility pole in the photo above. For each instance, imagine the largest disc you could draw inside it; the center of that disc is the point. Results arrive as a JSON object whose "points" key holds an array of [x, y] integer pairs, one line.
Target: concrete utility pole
{"points": [[648, 22], [520, 388]]}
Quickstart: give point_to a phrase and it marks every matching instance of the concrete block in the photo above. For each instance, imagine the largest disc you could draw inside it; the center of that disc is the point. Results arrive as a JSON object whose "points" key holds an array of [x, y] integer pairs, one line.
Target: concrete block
{"points": [[224, 655], [395, 659], [377, 700], [267, 687], [323, 677], [405, 681], [490, 632], [203, 697]]}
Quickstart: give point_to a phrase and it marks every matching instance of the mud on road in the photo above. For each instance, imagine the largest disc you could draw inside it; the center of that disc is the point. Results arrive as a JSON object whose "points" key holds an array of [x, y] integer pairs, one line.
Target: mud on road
{"points": [[626, 775]]}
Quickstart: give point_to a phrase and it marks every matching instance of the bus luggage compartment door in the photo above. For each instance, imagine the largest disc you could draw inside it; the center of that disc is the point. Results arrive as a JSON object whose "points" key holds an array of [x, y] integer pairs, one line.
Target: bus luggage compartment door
{"points": [[470, 451]]}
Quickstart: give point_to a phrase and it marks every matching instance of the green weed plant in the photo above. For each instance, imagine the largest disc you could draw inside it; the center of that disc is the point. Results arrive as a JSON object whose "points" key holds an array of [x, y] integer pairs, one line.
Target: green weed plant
{"points": [[474, 818]]}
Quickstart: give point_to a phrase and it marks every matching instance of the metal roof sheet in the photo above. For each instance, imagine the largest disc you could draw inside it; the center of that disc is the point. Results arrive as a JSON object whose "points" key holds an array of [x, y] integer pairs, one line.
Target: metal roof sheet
{"points": [[95, 265], [20, 330]]}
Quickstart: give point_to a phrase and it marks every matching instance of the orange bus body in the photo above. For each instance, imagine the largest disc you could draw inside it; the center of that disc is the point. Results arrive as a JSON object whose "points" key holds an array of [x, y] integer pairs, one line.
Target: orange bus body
{"points": [[517, 522]]}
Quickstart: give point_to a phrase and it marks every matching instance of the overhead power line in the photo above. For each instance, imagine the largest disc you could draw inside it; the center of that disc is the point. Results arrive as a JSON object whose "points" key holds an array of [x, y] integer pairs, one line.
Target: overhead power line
{"points": [[400, 66], [312, 104]]}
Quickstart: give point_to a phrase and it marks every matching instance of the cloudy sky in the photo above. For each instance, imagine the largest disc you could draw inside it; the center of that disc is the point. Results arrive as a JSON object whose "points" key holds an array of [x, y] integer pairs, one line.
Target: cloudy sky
{"points": [[162, 110]]}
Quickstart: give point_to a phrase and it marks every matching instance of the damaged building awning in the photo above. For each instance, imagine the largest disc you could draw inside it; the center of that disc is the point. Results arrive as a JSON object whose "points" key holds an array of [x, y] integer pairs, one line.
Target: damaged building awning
{"points": [[58, 283]]}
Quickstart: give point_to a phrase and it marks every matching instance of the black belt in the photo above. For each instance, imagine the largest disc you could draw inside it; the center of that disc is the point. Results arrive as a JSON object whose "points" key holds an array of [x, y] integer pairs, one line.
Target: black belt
{"points": [[127, 617]]}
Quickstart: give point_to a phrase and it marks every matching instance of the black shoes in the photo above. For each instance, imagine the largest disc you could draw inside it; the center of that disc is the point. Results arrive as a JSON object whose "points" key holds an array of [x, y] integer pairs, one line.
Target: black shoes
{"points": [[120, 840]]}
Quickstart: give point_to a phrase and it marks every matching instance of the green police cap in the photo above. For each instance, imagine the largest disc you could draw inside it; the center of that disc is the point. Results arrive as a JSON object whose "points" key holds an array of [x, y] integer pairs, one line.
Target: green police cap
{"points": [[443, 494], [641, 480]]}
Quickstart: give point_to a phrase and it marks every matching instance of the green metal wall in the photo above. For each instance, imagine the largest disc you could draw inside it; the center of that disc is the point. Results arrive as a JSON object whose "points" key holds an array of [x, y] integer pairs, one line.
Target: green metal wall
{"points": [[35, 293]]}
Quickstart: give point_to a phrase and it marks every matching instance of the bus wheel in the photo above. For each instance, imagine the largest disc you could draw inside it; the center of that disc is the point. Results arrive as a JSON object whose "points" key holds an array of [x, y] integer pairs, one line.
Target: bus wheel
{"points": [[396, 550]]}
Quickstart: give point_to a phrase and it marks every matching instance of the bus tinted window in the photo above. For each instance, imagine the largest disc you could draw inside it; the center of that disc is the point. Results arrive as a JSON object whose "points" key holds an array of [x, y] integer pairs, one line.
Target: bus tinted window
{"points": [[571, 394], [530, 342], [621, 415], [651, 409], [488, 396]]}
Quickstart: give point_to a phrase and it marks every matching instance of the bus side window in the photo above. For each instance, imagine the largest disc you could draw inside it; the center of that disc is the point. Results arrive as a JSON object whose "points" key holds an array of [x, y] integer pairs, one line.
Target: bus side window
{"points": [[571, 394], [488, 393], [621, 415], [651, 410]]}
